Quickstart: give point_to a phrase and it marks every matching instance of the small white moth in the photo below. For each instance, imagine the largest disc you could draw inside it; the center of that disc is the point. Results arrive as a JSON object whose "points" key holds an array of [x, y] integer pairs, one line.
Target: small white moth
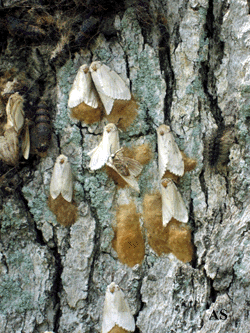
{"points": [[61, 180], [109, 85], [14, 112], [83, 89], [109, 145], [116, 310], [126, 167], [169, 155], [172, 203]]}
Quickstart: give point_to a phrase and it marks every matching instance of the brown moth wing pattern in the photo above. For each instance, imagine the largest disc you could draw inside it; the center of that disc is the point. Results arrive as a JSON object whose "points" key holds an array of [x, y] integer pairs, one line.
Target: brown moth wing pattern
{"points": [[125, 165]]}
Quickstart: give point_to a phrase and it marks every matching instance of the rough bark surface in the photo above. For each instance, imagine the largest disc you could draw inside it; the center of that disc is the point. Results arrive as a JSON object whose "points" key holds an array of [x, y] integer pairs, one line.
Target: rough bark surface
{"points": [[188, 64]]}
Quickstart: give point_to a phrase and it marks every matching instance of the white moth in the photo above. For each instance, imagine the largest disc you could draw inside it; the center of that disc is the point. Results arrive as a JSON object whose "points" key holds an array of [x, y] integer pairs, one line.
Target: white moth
{"points": [[14, 112], [116, 310], [169, 155], [109, 145], [61, 180], [126, 167], [109, 85], [83, 89], [172, 203]]}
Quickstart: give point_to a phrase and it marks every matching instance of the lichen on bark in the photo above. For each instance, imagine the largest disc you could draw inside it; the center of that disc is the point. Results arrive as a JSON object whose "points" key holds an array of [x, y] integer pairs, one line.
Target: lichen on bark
{"points": [[187, 65]]}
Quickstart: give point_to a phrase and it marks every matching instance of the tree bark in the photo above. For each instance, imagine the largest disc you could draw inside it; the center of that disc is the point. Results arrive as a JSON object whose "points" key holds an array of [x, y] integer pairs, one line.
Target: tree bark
{"points": [[188, 66]]}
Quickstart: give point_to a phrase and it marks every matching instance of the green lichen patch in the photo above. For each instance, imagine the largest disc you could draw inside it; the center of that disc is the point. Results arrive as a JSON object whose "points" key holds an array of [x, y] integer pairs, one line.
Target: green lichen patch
{"points": [[100, 191], [37, 202], [13, 297], [12, 218]]}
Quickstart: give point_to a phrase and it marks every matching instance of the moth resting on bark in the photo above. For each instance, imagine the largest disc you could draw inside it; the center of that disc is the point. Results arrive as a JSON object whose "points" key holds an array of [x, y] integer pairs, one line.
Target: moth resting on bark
{"points": [[9, 148], [173, 205], [109, 85], [108, 145], [126, 167], [169, 155], [116, 311], [61, 180]]}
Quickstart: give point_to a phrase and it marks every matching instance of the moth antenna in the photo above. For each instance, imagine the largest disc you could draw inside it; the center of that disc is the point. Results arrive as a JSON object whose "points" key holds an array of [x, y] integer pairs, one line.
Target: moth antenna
{"points": [[106, 280], [122, 278]]}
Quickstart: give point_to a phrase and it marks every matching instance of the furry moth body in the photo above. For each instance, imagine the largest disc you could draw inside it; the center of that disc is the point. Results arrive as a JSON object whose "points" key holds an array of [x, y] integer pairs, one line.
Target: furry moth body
{"points": [[109, 145], [126, 167], [109, 85], [61, 180], [116, 311], [169, 155], [173, 205], [83, 90]]}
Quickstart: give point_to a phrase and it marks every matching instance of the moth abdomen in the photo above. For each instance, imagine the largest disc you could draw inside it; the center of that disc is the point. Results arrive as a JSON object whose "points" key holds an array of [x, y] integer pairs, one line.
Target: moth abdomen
{"points": [[42, 129], [121, 166]]}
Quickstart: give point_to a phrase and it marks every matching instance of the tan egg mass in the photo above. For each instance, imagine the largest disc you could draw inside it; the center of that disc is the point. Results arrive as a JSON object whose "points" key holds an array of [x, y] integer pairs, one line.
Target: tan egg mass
{"points": [[174, 238], [128, 241]]}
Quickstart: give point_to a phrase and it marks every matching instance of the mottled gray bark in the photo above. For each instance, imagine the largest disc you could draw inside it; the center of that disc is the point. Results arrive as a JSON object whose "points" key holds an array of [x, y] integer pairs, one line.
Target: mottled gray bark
{"points": [[188, 64]]}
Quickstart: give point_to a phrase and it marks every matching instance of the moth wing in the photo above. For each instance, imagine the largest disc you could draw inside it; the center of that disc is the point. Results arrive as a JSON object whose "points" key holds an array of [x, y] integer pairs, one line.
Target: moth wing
{"points": [[130, 180], [26, 143], [110, 83], [180, 210], [135, 168], [19, 115], [82, 90], [14, 112], [99, 156], [9, 152], [67, 182], [5, 154], [107, 102], [108, 321], [124, 316], [56, 181], [167, 204], [172, 204], [170, 157], [116, 312]]}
